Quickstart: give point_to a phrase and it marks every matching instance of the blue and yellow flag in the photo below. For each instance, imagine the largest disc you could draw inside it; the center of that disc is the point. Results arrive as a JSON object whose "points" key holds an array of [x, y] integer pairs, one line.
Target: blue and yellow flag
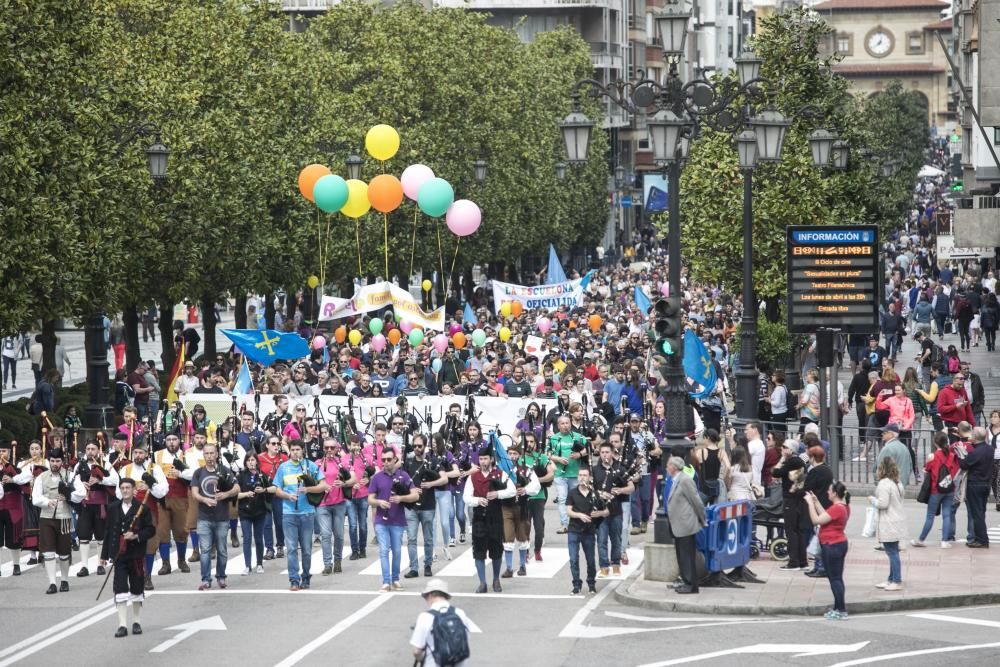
{"points": [[698, 365], [469, 316], [642, 301], [267, 346]]}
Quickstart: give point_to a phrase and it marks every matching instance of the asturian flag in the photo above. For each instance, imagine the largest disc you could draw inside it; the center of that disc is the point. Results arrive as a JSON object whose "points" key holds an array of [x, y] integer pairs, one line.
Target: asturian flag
{"points": [[267, 346]]}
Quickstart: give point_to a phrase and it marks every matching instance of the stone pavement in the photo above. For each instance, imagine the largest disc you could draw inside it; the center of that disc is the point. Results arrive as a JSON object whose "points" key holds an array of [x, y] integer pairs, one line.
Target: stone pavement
{"points": [[932, 578]]}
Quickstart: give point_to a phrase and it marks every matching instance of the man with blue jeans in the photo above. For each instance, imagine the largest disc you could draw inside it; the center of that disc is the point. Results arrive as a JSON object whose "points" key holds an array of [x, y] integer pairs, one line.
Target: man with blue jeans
{"points": [[567, 460], [389, 488], [298, 516], [211, 487], [611, 486], [642, 441], [583, 520], [357, 503], [331, 512], [427, 478]]}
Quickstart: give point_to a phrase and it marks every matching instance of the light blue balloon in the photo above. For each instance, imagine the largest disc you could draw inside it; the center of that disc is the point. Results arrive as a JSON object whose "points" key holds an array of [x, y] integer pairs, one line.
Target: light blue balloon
{"points": [[435, 197], [436, 365], [330, 193]]}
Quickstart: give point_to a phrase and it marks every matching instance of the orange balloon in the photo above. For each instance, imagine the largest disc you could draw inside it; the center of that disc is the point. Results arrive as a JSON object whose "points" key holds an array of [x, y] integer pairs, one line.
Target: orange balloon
{"points": [[308, 178], [458, 340], [394, 337], [340, 334], [516, 309], [595, 322], [385, 193]]}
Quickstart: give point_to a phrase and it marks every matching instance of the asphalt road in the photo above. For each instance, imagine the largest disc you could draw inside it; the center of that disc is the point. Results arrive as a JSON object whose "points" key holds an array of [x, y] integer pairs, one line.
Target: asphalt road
{"points": [[258, 621]]}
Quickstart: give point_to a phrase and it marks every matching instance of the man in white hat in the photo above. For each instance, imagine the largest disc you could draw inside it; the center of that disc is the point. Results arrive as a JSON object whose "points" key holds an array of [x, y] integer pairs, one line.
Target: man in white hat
{"points": [[441, 621]]}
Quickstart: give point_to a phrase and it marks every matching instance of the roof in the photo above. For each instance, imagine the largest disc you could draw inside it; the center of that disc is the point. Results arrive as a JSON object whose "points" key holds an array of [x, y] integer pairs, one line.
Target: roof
{"points": [[887, 69], [874, 5], [944, 24]]}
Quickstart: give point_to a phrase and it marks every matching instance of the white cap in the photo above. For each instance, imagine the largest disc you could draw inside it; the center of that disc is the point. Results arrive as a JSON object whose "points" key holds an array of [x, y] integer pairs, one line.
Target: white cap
{"points": [[437, 585]]}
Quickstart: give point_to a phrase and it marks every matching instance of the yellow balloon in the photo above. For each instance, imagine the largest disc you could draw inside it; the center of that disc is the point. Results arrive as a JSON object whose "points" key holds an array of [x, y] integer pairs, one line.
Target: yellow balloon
{"points": [[357, 199], [426, 285], [504, 334], [382, 142], [312, 281], [505, 308], [354, 337]]}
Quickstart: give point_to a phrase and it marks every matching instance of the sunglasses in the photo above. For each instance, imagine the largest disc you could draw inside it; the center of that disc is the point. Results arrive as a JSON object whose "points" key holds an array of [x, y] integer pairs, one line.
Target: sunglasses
{"points": [[274, 442], [329, 449], [300, 409], [388, 460]]}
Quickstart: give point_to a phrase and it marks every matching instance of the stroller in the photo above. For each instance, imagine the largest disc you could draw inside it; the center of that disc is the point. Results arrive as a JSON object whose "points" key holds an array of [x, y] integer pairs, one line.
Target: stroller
{"points": [[767, 512]]}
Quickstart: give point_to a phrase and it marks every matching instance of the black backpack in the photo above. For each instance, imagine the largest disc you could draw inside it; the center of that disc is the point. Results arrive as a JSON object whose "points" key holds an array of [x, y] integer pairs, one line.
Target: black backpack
{"points": [[451, 638], [937, 355]]}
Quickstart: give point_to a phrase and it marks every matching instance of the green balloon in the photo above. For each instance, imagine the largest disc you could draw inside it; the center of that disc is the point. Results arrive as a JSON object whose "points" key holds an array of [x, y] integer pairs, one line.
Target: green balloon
{"points": [[416, 337], [479, 338], [376, 326], [435, 197], [330, 193]]}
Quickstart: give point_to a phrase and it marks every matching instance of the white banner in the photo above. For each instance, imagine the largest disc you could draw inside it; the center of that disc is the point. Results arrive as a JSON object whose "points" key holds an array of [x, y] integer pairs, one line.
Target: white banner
{"points": [[378, 296], [429, 411], [545, 297]]}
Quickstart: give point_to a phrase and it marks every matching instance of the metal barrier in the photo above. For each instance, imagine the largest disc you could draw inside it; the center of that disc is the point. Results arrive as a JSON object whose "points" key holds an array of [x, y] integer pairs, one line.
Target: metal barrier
{"points": [[725, 541]]}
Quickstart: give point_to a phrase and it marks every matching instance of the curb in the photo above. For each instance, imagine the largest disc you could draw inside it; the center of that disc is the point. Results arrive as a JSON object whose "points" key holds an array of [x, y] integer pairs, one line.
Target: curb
{"points": [[623, 595]]}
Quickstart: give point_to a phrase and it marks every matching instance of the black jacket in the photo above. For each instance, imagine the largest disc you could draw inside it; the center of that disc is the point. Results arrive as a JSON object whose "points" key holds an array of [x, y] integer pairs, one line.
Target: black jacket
{"points": [[117, 525], [818, 480], [978, 393], [786, 472]]}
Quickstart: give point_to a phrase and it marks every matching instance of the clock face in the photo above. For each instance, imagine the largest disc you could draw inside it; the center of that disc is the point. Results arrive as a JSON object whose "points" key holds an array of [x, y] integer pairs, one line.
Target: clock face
{"points": [[879, 43]]}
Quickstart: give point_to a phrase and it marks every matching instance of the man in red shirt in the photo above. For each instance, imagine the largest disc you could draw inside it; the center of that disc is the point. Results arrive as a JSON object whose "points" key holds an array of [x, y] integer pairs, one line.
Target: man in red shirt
{"points": [[953, 405]]}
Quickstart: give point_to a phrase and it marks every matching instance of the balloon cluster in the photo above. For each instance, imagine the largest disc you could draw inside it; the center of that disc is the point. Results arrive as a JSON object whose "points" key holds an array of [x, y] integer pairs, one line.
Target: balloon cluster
{"points": [[434, 196]]}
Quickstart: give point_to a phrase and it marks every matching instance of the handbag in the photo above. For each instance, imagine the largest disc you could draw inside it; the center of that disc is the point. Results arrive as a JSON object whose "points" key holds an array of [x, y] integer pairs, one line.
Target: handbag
{"points": [[813, 549], [871, 522], [924, 495]]}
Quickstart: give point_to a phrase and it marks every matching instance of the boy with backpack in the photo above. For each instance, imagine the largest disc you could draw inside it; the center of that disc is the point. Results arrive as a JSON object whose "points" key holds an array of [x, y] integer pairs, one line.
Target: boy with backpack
{"points": [[441, 634]]}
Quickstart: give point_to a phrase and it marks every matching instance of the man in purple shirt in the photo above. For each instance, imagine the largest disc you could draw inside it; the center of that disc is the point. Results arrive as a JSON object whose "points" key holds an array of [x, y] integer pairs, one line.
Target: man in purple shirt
{"points": [[387, 490]]}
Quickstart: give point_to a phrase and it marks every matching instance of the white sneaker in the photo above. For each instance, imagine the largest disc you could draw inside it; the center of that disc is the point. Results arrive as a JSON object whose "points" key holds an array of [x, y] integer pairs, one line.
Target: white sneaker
{"points": [[858, 458], [245, 572], [260, 569], [447, 553], [894, 587], [884, 584], [946, 545], [918, 543]]}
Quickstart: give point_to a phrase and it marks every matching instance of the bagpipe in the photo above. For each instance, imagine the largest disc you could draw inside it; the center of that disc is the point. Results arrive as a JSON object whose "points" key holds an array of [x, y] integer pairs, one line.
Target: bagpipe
{"points": [[314, 498], [121, 540], [8, 469]]}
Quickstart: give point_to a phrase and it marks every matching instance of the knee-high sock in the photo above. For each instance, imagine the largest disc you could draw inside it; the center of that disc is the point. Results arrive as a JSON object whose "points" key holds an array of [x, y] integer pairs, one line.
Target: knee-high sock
{"points": [[496, 568], [122, 609], [84, 553], [15, 555], [50, 569], [165, 553], [508, 556], [136, 611], [194, 540], [481, 570], [524, 556], [149, 564], [181, 551], [64, 567]]}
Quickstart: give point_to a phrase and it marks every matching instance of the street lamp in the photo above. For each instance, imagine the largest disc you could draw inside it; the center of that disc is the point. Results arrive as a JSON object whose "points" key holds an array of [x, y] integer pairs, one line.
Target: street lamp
{"points": [[576, 129], [665, 129], [770, 127], [672, 25], [821, 143], [748, 67], [157, 155], [561, 170], [841, 154], [479, 170], [619, 176], [354, 163], [746, 149]]}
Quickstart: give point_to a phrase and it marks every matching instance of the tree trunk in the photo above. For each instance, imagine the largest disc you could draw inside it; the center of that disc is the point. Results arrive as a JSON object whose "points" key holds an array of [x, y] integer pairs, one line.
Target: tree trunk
{"points": [[208, 321], [130, 318], [240, 316], [772, 310], [269, 310], [48, 345], [469, 284], [166, 326], [291, 302]]}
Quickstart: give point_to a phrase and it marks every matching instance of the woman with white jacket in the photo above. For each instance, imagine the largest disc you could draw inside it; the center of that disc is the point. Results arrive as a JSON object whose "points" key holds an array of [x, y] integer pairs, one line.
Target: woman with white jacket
{"points": [[891, 526]]}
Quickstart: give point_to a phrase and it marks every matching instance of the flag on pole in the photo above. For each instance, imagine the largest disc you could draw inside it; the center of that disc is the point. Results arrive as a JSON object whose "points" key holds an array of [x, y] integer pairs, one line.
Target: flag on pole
{"points": [[175, 373], [244, 383], [266, 347], [468, 316], [698, 365], [555, 274], [500, 451], [642, 301]]}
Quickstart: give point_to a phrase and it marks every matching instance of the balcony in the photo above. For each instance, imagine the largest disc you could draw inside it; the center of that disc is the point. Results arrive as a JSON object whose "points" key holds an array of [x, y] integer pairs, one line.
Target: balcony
{"points": [[307, 6], [606, 56], [525, 4], [977, 221]]}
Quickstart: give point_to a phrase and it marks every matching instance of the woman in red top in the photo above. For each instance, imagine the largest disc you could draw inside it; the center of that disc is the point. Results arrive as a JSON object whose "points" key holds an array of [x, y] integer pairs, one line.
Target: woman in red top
{"points": [[833, 541], [943, 460]]}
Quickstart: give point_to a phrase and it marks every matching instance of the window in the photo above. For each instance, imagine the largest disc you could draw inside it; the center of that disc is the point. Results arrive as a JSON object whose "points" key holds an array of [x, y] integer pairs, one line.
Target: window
{"points": [[731, 40], [915, 43], [845, 43], [996, 136]]}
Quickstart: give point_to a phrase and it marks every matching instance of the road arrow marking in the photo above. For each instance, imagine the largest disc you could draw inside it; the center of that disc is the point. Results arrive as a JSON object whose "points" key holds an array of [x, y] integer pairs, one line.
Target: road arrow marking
{"points": [[188, 629], [958, 619], [799, 651]]}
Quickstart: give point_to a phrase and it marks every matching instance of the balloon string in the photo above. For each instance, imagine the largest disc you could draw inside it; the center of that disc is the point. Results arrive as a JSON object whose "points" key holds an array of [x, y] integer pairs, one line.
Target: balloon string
{"points": [[385, 229], [441, 259], [413, 245], [455, 258], [357, 232]]}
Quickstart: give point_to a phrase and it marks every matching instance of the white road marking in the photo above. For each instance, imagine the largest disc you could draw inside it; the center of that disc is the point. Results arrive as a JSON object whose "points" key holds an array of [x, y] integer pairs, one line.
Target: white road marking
{"points": [[910, 654], [668, 619], [188, 629], [575, 625], [799, 651], [283, 591], [31, 641], [51, 636], [957, 619], [7, 570], [298, 655]]}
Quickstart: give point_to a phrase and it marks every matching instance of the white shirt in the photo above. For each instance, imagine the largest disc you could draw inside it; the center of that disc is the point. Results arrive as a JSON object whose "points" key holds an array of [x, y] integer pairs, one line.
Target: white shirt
{"points": [[756, 449], [422, 637]]}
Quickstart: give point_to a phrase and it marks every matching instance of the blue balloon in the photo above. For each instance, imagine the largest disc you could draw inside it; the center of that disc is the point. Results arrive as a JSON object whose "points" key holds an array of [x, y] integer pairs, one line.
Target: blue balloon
{"points": [[435, 196], [330, 193], [436, 365]]}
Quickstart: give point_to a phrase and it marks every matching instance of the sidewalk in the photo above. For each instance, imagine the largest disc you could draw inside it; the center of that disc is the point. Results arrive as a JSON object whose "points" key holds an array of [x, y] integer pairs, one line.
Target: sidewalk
{"points": [[932, 577]]}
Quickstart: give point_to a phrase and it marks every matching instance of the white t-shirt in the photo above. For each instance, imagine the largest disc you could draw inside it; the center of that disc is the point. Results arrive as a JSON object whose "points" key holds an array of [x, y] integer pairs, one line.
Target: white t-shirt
{"points": [[756, 449], [422, 637]]}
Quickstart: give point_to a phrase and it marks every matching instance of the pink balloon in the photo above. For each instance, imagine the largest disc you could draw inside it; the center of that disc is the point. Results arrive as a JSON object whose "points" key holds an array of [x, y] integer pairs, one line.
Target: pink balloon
{"points": [[665, 289], [544, 324], [378, 342], [440, 343], [406, 326], [463, 217], [413, 177], [454, 328], [319, 343]]}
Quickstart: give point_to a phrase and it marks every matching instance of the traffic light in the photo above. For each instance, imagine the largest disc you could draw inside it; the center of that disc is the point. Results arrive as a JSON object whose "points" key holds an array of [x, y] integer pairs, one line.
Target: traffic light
{"points": [[667, 326]]}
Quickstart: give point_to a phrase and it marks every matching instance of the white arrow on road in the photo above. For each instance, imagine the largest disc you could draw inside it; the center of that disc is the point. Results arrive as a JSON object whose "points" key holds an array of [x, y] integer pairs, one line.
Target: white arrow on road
{"points": [[800, 651], [188, 629]]}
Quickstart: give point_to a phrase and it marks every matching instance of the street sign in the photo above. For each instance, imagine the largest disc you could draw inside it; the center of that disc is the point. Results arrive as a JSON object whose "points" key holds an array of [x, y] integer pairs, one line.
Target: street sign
{"points": [[626, 201], [834, 279]]}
